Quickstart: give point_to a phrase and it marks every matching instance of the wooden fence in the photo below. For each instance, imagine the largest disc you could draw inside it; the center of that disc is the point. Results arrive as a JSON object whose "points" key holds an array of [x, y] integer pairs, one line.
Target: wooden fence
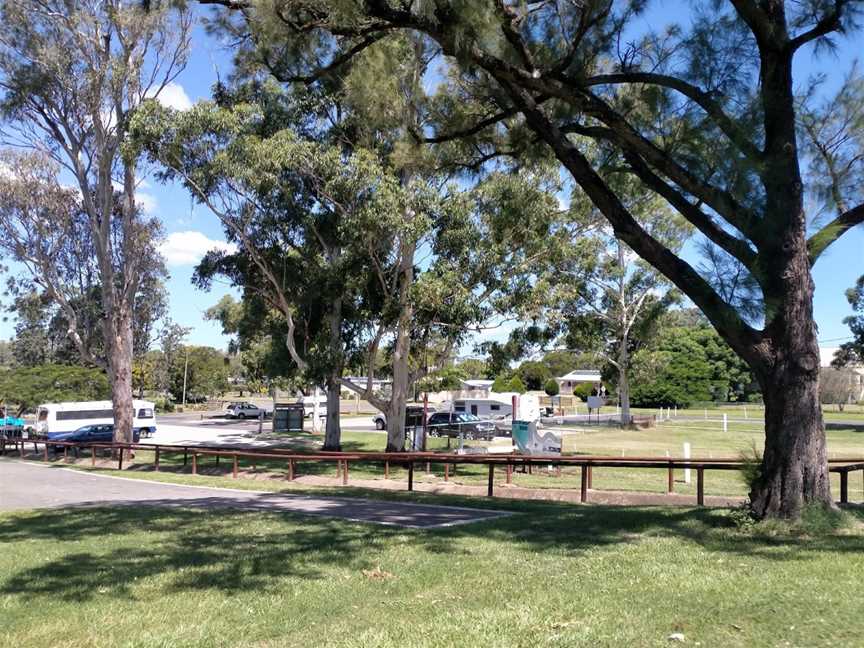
{"points": [[342, 460]]}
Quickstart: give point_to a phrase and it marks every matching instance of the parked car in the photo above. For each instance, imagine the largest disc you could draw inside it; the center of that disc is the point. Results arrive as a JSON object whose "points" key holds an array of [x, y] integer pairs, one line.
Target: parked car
{"points": [[100, 433], [246, 410], [453, 424], [413, 416]]}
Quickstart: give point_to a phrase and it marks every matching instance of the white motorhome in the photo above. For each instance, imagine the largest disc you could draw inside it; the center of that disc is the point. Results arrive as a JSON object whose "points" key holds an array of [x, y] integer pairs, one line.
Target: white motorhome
{"points": [[68, 417], [495, 406]]}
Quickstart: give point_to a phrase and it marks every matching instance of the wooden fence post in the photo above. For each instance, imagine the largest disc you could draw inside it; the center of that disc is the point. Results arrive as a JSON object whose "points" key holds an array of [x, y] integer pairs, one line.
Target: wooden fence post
{"points": [[93, 455], [65, 454], [410, 475], [386, 470], [290, 470], [490, 489], [844, 487], [509, 473], [345, 473], [583, 493], [235, 466], [194, 463], [120, 461], [156, 465], [700, 485], [670, 487], [590, 476], [446, 472]]}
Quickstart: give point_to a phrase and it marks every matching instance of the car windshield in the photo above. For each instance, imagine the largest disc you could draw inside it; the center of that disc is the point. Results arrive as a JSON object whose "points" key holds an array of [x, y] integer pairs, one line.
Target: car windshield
{"points": [[468, 417]]}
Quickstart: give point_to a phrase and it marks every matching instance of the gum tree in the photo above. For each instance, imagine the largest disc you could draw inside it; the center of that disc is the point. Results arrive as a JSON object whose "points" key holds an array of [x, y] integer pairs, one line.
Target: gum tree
{"points": [[71, 74], [716, 137]]}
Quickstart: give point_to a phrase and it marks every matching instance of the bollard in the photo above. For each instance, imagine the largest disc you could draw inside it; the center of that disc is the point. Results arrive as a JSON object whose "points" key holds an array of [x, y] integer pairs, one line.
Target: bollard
{"points": [[725, 422]]}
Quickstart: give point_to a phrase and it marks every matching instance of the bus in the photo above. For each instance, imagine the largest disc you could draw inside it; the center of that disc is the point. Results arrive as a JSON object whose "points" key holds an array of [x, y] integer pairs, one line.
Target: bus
{"points": [[53, 418]]}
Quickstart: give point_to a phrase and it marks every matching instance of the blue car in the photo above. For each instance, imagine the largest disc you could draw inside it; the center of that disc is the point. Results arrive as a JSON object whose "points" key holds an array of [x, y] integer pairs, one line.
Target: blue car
{"points": [[90, 434]]}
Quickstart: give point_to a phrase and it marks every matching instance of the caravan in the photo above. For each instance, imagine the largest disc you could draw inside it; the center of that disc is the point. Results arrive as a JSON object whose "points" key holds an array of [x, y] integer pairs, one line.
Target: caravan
{"points": [[55, 418]]}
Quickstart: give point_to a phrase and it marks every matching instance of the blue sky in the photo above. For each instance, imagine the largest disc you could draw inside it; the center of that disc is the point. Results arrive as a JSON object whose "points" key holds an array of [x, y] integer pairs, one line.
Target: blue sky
{"points": [[191, 229]]}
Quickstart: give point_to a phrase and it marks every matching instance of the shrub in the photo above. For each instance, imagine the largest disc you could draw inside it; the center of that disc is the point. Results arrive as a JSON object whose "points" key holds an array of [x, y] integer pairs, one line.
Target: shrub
{"points": [[551, 387]]}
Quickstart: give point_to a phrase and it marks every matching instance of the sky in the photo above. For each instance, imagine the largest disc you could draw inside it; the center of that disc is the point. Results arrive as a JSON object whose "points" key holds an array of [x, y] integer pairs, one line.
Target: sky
{"points": [[191, 230]]}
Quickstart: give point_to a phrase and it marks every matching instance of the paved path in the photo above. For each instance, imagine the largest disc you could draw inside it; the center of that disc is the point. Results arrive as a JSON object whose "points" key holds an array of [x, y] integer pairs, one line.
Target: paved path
{"points": [[27, 486]]}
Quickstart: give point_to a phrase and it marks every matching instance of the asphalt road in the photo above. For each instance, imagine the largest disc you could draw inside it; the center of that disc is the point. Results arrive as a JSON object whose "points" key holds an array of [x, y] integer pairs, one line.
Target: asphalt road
{"points": [[26, 486]]}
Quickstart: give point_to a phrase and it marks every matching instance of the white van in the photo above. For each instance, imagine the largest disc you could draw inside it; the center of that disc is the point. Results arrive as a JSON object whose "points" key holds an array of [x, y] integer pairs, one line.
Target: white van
{"points": [[68, 417]]}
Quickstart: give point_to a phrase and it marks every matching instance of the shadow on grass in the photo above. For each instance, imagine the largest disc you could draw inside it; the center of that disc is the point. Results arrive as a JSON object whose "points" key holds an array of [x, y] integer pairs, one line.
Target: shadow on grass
{"points": [[231, 550]]}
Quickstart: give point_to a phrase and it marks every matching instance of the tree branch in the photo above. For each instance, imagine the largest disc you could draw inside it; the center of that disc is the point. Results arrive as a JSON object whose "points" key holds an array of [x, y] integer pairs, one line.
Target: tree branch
{"points": [[700, 97], [820, 241]]}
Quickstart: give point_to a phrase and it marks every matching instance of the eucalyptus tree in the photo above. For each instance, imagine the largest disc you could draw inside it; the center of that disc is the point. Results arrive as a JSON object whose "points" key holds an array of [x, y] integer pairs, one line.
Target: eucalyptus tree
{"points": [[608, 304], [71, 74], [304, 214], [721, 146]]}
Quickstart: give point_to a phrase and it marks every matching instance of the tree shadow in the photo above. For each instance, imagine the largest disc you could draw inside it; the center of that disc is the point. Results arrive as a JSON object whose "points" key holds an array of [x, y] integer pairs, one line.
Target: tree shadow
{"points": [[199, 548]]}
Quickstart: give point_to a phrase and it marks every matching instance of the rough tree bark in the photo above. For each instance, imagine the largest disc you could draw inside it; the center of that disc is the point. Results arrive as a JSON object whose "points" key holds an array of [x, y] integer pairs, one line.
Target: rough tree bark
{"points": [[332, 431]]}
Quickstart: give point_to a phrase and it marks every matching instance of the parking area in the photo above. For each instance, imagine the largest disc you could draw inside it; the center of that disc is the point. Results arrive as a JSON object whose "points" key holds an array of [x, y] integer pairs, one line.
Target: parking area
{"points": [[27, 486]]}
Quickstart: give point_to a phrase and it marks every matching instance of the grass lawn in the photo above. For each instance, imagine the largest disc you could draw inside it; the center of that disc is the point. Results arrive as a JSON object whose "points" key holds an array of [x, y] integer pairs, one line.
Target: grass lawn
{"points": [[551, 575]]}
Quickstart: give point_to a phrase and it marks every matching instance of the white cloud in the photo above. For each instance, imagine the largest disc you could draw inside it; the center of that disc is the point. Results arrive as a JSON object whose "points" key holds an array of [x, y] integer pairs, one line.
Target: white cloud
{"points": [[174, 96], [146, 202], [187, 248]]}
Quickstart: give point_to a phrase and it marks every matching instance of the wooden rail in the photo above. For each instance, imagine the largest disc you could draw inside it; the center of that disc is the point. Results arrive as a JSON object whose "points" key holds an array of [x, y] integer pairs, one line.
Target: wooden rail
{"points": [[586, 463]]}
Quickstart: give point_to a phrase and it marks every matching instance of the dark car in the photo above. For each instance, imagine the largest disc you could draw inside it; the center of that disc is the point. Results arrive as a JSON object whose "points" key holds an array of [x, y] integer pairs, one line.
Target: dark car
{"points": [[413, 417], [103, 433], [453, 424]]}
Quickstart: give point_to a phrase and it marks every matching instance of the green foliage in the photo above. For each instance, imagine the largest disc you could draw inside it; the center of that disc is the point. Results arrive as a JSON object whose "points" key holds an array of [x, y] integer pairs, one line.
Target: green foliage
{"points": [[851, 353], [508, 383], [534, 375], [583, 391], [688, 365], [207, 373], [551, 387], [444, 379], [30, 386]]}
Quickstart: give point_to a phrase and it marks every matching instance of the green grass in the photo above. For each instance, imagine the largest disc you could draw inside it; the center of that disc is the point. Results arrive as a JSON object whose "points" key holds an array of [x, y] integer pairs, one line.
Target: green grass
{"points": [[552, 575]]}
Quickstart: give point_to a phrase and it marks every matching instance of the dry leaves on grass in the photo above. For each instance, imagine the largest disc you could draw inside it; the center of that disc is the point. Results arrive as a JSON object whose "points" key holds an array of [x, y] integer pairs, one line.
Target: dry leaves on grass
{"points": [[377, 574]]}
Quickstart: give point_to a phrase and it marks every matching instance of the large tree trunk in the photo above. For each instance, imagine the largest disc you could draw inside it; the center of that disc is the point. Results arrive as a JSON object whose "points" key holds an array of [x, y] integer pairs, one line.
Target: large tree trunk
{"points": [[118, 336], [624, 387], [401, 353], [795, 462], [332, 431]]}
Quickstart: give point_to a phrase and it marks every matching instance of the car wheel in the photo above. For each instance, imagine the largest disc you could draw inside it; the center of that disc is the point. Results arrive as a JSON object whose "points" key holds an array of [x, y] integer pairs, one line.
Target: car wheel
{"points": [[241, 415], [379, 424]]}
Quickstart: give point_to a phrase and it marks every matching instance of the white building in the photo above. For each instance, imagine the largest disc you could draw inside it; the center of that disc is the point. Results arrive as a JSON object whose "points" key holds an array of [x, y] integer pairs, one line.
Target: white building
{"points": [[477, 385], [577, 377]]}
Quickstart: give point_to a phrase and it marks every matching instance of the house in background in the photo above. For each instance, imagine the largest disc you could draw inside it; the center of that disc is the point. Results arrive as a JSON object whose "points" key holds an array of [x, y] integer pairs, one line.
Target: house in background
{"points": [[477, 385], [567, 382]]}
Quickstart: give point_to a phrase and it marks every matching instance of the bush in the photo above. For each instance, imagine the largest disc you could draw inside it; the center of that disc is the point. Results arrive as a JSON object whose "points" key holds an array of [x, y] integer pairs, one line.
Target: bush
{"points": [[163, 405], [551, 387], [505, 383]]}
